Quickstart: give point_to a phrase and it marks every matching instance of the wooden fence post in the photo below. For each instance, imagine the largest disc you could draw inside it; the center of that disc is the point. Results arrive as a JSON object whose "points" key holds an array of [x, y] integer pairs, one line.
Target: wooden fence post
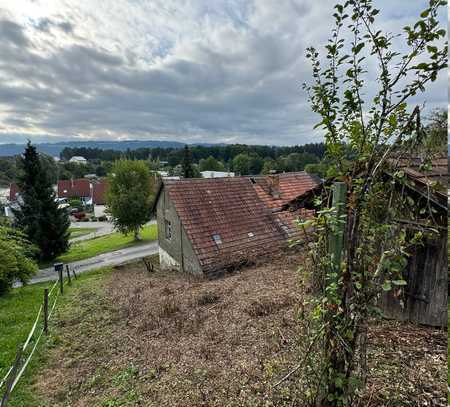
{"points": [[46, 311], [61, 281], [11, 377], [73, 271], [59, 267], [336, 243], [68, 274]]}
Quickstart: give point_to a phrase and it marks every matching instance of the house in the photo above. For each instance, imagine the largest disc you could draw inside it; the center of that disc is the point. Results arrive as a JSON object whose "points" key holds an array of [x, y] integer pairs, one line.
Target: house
{"points": [[207, 226], [14, 192], [425, 296], [78, 160], [99, 197], [216, 174], [75, 188]]}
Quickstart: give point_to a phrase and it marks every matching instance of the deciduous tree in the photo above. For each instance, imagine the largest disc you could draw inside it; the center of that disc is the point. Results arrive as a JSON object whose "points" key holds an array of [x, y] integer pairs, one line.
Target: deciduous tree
{"points": [[375, 128], [129, 196], [16, 258]]}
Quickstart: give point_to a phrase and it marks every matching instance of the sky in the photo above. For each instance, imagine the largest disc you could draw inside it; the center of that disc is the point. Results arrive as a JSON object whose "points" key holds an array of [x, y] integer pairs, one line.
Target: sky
{"points": [[215, 71]]}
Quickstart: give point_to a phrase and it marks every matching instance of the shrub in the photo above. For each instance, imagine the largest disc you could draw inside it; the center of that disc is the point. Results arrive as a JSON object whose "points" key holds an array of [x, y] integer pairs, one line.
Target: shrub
{"points": [[208, 298], [16, 258]]}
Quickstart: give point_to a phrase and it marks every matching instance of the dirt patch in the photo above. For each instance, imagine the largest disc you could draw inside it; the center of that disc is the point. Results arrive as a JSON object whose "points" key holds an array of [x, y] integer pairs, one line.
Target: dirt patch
{"points": [[154, 339]]}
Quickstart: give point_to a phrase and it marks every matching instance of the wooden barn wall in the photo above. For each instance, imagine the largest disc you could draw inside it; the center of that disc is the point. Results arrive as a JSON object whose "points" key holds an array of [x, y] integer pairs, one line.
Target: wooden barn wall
{"points": [[425, 298]]}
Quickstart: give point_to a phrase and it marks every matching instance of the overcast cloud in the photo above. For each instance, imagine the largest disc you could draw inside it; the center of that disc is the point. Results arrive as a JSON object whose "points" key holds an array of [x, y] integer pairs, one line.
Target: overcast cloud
{"points": [[191, 70]]}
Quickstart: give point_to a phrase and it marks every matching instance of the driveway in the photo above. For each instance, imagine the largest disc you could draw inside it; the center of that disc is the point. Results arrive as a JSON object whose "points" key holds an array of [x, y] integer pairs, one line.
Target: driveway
{"points": [[106, 259], [100, 229]]}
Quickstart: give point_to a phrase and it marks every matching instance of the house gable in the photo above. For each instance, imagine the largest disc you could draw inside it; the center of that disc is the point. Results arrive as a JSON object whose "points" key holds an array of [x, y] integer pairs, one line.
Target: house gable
{"points": [[175, 248]]}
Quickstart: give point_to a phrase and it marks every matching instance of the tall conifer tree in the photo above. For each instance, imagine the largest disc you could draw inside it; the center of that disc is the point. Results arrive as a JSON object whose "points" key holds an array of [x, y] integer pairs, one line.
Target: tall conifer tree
{"points": [[186, 164], [39, 217]]}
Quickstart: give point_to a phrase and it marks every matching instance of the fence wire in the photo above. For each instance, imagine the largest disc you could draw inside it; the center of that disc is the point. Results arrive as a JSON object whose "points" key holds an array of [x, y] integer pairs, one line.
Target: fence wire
{"points": [[27, 342]]}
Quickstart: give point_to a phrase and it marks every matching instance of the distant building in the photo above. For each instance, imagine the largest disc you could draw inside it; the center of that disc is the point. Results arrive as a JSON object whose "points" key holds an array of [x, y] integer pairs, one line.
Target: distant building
{"points": [[13, 200], [99, 197], [78, 159], [216, 174], [14, 192], [75, 188]]}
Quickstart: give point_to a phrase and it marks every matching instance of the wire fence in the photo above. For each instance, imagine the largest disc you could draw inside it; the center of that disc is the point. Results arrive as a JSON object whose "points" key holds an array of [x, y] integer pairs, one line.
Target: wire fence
{"points": [[26, 351]]}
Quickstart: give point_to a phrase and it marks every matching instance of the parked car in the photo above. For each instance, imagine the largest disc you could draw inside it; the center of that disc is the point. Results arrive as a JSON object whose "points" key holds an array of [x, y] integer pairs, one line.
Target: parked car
{"points": [[79, 215]]}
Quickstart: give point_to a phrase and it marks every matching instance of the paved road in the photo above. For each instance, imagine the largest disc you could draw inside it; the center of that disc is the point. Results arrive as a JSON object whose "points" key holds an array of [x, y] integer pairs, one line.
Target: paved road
{"points": [[106, 259]]}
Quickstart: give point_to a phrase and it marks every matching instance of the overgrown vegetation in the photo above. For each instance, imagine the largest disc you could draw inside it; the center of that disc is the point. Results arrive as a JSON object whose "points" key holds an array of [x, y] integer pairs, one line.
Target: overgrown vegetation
{"points": [[377, 130], [168, 339], [16, 258]]}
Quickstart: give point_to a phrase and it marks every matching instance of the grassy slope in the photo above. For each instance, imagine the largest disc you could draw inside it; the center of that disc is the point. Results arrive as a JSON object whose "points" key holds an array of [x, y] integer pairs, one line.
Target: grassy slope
{"points": [[77, 232], [19, 309], [103, 244]]}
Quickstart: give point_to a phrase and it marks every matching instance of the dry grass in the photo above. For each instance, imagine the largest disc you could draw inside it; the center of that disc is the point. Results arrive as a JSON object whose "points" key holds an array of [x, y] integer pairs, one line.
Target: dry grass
{"points": [[154, 339]]}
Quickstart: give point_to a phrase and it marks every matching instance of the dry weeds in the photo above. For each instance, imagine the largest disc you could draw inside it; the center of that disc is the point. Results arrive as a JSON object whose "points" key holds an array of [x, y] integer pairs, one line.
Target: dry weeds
{"points": [[165, 339]]}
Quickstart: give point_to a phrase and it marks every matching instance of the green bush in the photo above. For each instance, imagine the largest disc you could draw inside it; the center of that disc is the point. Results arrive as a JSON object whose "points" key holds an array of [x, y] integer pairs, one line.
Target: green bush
{"points": [[16, 258], [76, 203]]}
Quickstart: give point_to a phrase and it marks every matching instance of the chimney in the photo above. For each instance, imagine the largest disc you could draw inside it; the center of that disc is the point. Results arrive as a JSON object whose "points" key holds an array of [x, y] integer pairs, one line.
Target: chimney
{"points": [[274, 186]]}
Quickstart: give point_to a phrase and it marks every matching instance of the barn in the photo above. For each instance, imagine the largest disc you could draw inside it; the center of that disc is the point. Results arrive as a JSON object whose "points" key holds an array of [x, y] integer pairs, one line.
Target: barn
{"points": [[207, 226]]}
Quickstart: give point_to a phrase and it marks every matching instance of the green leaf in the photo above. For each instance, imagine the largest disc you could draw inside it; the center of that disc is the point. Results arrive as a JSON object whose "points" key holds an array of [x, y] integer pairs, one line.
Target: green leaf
{"points": [[399, 282], [358, 48], [339, 8], [422, 65], [424, 14], [387, 285]]}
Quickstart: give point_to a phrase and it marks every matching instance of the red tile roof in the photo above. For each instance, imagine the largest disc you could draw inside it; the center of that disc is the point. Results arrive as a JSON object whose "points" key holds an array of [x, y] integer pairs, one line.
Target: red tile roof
{"points": [[229, 208], [14, 191], [75, 188], [242, 211], [99, 192], [277, 190]]}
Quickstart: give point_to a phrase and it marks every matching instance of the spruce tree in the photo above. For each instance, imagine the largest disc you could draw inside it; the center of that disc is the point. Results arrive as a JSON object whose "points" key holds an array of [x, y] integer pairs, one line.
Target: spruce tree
{"points": [[39, 217], [186, 164]]}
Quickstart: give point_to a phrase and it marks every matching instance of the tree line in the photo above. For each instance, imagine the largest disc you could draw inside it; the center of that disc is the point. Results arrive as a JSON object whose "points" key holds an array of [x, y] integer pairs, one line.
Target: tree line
{"points": [[242, 158]]}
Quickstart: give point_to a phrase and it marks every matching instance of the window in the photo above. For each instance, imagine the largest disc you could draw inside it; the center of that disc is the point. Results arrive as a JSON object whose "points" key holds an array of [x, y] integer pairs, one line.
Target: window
{"points": [[250, 234], [217, 239], [168, 229]]}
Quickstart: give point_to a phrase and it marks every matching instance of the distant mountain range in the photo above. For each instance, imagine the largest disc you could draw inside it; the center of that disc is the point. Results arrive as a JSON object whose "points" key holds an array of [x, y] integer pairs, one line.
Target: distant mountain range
{"points": [[54, 149]]}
